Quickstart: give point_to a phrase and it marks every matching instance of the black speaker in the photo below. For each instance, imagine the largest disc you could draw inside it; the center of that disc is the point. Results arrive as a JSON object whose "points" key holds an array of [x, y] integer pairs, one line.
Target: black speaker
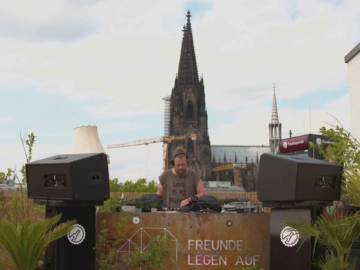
{"points": [[284, 178], [73, 177]]}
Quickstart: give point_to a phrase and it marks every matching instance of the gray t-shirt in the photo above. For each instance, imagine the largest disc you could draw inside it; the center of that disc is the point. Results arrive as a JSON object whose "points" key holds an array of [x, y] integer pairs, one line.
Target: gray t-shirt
{"points": [[176, 188]]}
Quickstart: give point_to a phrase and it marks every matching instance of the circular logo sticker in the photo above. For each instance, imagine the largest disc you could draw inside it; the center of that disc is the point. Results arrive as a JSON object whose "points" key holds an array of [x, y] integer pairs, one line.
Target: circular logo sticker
{"points": [[285, 145], [136, 220], [289, 236], [77, 234]]}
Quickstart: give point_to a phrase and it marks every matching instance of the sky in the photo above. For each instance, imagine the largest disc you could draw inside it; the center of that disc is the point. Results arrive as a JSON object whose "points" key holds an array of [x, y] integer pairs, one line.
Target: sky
{"points": [[109, 63]]}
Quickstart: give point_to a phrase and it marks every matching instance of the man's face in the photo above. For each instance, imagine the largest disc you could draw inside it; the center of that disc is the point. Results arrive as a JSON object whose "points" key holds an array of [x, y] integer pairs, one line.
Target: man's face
{"points": [[180, 165]]}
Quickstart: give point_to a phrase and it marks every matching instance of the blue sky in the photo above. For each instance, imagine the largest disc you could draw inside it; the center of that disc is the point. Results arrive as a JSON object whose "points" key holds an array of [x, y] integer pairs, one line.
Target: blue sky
{"points": [[316, 99], [73, 63]]}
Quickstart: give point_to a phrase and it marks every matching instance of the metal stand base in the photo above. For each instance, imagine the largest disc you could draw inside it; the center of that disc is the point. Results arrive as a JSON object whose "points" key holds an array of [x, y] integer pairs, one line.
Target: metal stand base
{"points": [[77, 251], [283, 257]]}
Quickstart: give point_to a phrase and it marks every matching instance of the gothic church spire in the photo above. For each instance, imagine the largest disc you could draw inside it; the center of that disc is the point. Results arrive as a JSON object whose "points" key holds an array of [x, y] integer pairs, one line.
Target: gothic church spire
{"points": [[274, 114], [274, 126], [187, 72]]}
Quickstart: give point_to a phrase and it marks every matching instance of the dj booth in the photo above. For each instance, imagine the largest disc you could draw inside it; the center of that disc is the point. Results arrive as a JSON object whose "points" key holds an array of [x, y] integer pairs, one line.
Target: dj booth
{"points": [[198, 240], [292, 186]]}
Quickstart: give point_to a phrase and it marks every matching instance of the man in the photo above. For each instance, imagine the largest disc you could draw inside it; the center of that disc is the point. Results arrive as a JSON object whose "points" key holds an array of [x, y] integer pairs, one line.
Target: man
{"points": [[180, 185]]}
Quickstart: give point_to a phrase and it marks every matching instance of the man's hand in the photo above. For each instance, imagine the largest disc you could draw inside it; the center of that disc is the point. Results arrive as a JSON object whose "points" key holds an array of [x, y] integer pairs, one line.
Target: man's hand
{"points": [[185, 202]]}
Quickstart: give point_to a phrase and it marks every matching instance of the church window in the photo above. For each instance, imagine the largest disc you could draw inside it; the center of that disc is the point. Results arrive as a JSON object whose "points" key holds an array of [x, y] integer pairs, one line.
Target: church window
{"points": [[189, 111]]}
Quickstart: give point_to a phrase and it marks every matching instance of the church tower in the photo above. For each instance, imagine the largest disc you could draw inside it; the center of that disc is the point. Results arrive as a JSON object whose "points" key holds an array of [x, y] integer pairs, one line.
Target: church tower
{"points": [[274, 127], [188, 115]]}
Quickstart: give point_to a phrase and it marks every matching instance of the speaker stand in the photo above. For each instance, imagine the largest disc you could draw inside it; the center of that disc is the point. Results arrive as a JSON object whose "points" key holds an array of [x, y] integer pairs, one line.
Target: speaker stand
{"points": [[77, 249], [284, 256]]}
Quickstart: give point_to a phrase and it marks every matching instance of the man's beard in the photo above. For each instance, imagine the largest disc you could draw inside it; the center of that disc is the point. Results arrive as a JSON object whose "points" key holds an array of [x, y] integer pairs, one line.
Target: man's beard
{"points": [[181, 172]]}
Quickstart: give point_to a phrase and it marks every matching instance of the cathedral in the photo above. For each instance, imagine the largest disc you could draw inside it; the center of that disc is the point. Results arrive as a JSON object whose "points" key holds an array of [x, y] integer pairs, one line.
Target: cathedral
{"points": [[186, 121], [188, 115]]}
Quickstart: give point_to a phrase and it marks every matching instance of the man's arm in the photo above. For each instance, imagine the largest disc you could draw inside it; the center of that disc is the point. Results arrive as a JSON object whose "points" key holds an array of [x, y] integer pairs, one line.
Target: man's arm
{"points": [[200, 191], [160, 190]]}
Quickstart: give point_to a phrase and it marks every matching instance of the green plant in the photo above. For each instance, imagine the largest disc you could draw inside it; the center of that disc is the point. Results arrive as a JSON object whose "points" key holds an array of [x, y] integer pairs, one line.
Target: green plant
{"points": [[251, 268], [336, 233], [153, 256], [108, 241], [5, 176], [114, 185], [15, 206], [141, 185], [2, 177], [344, 150], [28, 146], [107, 256], [25, 243], [111, 205]]}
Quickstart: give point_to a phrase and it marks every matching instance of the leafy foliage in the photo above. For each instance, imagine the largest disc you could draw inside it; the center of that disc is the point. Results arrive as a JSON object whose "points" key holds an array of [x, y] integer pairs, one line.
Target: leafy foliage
{"points": [[28, 150], [345, 151], [337, 234], [333, 230], [26, 242], [107, 244], [251, 268], [153, 256], [141, 185], [111, 205], [28, 146], [15, 206], [5, 176], [107, 255], [2, 177]]}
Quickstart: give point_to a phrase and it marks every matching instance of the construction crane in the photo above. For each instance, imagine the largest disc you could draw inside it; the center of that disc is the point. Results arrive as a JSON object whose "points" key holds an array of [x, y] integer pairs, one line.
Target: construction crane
{"points": [[166, 140]]}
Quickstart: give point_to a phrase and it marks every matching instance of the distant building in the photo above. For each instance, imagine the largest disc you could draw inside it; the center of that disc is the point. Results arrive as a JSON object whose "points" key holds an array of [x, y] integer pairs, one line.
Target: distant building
{"points": [[301, 146], [353, 61], [237, 164]]}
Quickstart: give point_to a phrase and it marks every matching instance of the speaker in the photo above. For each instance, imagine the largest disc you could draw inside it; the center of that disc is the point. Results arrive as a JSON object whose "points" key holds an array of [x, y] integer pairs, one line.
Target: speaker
{"points": [[73, 177], [284, 178]]}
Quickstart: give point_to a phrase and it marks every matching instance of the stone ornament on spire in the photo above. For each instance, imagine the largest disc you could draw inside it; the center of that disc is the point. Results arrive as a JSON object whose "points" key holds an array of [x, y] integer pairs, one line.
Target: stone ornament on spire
{"points": [[188, 16]]}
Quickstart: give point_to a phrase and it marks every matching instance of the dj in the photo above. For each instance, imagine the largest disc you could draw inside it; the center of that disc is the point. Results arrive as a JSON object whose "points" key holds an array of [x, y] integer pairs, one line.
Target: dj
{"points": [[180, 185]]}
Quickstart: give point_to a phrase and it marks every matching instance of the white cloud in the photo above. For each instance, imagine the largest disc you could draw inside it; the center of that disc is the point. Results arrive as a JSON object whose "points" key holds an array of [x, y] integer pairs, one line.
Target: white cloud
{"points": [[41, 20], [253, 129], [13, 156], [125, 54], [125, 163], [133, 55], [136, 162]]}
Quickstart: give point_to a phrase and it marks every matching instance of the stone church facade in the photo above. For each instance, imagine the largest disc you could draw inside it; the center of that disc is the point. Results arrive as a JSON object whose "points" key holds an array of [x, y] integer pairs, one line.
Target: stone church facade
{"points": [[187, 125], [188, 114]]}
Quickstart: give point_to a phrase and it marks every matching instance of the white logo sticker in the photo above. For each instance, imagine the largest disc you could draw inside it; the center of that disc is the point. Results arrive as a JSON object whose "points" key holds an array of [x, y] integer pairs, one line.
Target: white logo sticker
{"points": [[77, 234], [289, 236], [285, 145], [136, 220]]}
